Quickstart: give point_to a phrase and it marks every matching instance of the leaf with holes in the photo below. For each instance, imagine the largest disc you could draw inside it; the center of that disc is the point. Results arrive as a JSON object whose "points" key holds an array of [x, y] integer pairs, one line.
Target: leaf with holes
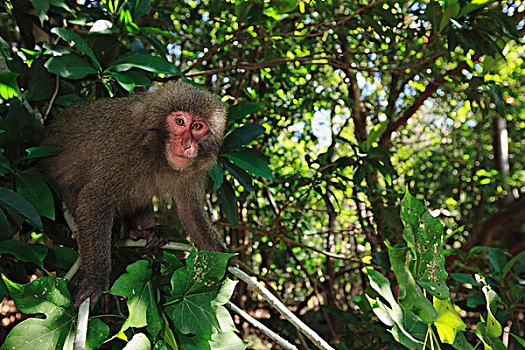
{"points": [[48, 296], [424, 236], [193, 290]]}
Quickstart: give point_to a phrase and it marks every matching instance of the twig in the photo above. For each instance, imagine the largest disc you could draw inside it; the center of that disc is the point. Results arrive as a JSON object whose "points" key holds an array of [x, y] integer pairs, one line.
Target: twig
{"points": [[82, 325], [265, 293], [276, 303], [277, 338], [57, 86]]}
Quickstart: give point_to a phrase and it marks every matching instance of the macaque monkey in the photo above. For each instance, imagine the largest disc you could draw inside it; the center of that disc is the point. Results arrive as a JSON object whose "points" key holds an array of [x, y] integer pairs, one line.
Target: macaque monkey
{"points": [[116, 154]]}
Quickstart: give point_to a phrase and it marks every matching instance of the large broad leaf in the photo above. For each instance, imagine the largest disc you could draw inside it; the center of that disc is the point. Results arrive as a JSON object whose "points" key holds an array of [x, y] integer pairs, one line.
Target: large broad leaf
{"points": [[194, 287], [69, 66], [405, 326], [229, 203], [79, 43], [424, 235], [137, 286], [149, 63], [243, 136], [30, 185], [8, 85], [410, 295], [448, 323], [242, 109], [48, 296], [32, 253], [18, 204], [251, 161]]}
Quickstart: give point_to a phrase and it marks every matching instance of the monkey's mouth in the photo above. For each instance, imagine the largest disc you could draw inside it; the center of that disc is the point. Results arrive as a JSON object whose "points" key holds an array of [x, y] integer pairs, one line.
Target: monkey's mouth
{"points": [[181, 161]]}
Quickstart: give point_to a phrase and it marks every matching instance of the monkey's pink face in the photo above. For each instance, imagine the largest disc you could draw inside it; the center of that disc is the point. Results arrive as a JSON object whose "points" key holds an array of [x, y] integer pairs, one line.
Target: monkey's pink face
{"points": [[186, 131]]}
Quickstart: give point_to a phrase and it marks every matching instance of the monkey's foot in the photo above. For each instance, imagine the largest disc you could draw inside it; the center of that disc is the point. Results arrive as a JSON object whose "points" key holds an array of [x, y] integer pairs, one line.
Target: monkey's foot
{"points": [[89, 289], [155, 239]]}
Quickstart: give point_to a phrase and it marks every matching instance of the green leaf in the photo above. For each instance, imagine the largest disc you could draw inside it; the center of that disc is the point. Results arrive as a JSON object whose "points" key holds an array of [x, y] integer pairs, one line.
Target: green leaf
{"points": [[433, 14], [410, 295], [375, 134], [15, 202], [61, 257], [493, 327], [217, 175], [32, 253], [473, 6], [518, 339], [137, 286], [252, 161], [138, 78], [424, 235], [149, 63], [461, 343], [193, 290], [41, 90], [141, 8], [229, 203], [242, 176], [511, 263], [69, 66], [491, 343], [30, 185], [39, 152], [126, 82], [78, 42], [405, 323], [242, 109], [67, 100], [451, 11], [227, 340], [41, 7], [448, 322], [48, 296], [243, 136], [97, 333], [464, 278], [8, 85], [139, 342]]}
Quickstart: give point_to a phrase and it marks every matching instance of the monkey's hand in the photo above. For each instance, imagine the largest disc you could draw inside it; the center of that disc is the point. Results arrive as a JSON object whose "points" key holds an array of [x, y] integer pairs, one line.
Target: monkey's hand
{"points": [[89, 288], [154, 237]]}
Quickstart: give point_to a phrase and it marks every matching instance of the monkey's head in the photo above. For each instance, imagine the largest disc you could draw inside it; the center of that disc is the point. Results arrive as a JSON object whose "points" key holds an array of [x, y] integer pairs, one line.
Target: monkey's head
{"points": [[193, 123]]}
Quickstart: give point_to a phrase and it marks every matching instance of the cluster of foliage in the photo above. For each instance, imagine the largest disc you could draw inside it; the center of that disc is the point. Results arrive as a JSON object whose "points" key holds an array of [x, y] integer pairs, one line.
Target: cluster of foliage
{"points": [[335, 106]]}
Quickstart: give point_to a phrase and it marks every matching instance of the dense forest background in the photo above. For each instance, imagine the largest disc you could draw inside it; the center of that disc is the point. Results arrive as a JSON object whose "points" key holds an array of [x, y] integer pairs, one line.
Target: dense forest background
{"points": [[337, 109]]}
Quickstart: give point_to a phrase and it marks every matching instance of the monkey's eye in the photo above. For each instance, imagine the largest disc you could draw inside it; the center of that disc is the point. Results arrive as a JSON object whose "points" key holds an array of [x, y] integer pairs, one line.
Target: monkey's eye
{"points": [[197, 126], [179, 121]]}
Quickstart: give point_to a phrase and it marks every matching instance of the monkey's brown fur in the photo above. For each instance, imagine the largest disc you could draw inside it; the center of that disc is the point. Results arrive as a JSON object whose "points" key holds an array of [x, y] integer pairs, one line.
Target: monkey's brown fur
{"points": [[114, 160]]}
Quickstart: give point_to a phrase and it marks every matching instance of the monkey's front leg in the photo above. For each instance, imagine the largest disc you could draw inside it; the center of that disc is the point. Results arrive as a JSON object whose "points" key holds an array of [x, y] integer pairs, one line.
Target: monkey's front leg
{"points": [[197, 224], [94, 218]]}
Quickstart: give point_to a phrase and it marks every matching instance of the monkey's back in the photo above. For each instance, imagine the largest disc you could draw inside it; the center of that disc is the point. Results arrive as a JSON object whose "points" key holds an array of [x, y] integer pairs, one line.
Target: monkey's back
{"points": [[101, 143]]}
